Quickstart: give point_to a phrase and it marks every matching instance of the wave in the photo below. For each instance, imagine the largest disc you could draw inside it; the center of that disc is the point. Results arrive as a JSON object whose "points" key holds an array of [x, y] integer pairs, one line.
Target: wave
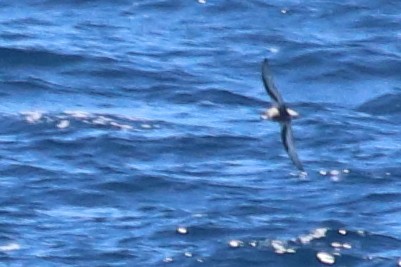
{"points": [[217, 97], [388, 104], [19, 57], [328, 246]]}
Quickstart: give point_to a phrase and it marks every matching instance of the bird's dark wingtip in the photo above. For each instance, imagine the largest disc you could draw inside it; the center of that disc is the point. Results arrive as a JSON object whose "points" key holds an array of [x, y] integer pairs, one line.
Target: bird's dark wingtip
{"points": [[265, 61], [301, 168]]}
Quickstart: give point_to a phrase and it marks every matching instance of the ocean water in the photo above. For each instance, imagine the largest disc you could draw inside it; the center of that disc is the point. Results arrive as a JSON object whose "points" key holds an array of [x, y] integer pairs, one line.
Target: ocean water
{"points": [[130, 133]]}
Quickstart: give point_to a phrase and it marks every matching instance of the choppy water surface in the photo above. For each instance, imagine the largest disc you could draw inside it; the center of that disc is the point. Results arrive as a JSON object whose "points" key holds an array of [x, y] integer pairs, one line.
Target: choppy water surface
{"points": [[130, 133]]}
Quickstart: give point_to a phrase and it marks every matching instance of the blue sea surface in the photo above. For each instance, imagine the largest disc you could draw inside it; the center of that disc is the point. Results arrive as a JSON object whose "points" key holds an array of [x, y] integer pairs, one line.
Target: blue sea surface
{"points": [[130, 133]]}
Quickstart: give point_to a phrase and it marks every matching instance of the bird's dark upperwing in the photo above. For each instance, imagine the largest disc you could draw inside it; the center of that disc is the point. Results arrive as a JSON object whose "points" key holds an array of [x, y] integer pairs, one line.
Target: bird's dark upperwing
{"points": [[269, 85], [288, 141]]}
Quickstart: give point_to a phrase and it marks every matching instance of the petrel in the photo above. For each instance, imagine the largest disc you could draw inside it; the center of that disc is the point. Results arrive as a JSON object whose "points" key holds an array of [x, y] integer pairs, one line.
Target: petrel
{"points": [[280, 113]]}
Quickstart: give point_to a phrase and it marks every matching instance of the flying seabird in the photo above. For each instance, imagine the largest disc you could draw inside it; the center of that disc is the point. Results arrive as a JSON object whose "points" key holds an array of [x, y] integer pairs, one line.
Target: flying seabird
{"points": [[280, 113]]}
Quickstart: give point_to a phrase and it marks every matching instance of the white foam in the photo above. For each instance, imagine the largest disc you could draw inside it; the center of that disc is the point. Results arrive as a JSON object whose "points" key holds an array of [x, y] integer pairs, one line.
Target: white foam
{"points": [[78, 114], [182, 230], [102, 120], [323, 172], [32, 116], [347, 246], [63, 124], [10, 247], [235, 243], [336, 245], [273, 50], [278, 246], [253, 243], [361, 232], [342, 232], [168, 259], [334, 172], [121, 126], [316, 234], [290, 250], [198, 215], [326, 258], [341, 245], [146, 126], [335, 178], [281, 247]]}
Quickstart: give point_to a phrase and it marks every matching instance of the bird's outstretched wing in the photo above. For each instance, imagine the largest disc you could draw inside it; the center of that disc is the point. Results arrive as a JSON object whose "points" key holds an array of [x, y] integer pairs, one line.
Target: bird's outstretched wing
{"points": [[269, 84], [288, 142]]}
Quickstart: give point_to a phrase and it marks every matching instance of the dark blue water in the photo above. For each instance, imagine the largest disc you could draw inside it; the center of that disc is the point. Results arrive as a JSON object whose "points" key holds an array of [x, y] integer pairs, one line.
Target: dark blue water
{"points": [[130, 133]]}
